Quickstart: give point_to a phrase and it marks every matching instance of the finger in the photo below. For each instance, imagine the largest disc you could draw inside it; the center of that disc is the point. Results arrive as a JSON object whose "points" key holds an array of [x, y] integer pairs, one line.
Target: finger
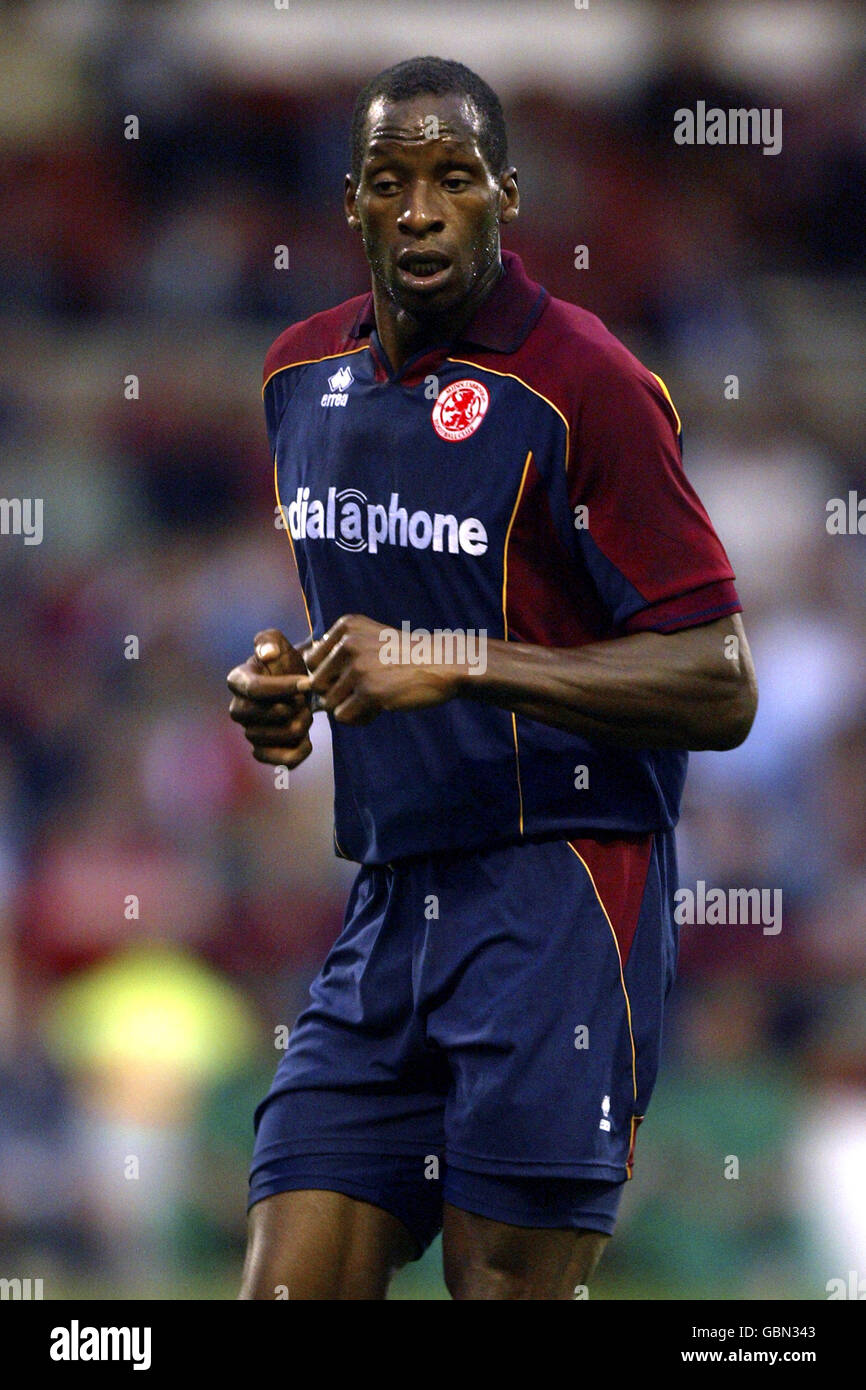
{"points": [[252, 686], [355, 710], [325, 645], [278, 655], [269, 646], [289, 729], [288, 734], [339, 690], [326, 673], [252, 666], [275, 738], [241, 673], [255, 712], [283, 757]]}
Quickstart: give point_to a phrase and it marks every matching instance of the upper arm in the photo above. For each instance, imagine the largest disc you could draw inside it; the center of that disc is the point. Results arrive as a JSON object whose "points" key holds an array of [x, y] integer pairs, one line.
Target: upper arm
{"points": [[648, 543]]}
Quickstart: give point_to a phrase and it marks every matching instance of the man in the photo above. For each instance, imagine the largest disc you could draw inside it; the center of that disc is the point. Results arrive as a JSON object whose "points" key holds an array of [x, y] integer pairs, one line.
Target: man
{"points": [[461, 459]]}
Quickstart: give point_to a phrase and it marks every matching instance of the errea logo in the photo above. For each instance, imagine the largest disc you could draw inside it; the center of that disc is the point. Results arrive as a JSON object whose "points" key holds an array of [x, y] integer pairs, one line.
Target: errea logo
{"points": [[339, 385]]}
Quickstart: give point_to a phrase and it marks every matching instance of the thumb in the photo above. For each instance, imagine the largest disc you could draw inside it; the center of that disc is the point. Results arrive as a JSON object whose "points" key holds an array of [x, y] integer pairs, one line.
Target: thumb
{"points": [[272, 649], [277, 655]]}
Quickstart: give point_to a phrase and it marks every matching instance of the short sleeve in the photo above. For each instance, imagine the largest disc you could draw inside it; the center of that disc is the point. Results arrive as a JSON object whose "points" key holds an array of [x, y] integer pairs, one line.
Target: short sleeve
{"points": [[644, 536]]}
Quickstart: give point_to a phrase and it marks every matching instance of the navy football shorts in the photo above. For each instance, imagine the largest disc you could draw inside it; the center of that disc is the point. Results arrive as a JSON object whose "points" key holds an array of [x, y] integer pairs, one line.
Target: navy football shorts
{"points": [[485, 1032]]}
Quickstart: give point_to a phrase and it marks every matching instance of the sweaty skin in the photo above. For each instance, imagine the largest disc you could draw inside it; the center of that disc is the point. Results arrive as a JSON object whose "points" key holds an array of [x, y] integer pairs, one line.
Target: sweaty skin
{"points": [[426, 190]]}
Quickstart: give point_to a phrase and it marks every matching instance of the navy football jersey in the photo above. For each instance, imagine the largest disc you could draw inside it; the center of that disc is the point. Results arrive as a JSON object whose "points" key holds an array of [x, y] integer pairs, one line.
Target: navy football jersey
{"points": [[524, 482]]}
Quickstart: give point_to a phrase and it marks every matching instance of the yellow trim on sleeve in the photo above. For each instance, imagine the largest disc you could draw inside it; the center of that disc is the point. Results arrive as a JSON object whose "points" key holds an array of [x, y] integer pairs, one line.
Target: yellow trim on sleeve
{"points": [[669, 401]]}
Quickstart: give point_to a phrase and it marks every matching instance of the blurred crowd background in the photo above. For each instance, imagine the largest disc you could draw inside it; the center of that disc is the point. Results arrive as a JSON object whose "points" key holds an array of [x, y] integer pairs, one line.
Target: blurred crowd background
{"points": [[163, 906]]}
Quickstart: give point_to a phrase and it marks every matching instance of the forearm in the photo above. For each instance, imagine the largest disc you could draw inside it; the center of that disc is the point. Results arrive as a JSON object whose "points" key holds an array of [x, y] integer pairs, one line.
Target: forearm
{"points": [[676, 690]]}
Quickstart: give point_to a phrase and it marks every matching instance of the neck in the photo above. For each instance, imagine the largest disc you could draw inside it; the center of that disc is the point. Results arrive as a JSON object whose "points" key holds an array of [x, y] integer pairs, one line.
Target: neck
{"points": [[402, 333]]}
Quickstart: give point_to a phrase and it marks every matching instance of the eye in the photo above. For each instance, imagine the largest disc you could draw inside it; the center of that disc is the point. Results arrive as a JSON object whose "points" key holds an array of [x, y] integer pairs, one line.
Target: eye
{"points": [[454, 182], [385, 186]]}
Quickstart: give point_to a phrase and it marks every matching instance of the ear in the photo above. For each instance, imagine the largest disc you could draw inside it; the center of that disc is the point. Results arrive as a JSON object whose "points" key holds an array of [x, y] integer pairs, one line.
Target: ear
{"points": [[509, 197], [350, 194]]}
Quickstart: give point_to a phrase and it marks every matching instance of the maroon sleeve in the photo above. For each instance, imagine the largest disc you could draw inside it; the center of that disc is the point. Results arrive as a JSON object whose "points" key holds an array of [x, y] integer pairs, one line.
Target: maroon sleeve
{"points": [[647, 541]]}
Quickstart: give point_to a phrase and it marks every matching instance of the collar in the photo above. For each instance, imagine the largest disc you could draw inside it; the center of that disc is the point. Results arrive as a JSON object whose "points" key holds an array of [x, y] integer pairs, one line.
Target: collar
{"points": [[501, 323]]}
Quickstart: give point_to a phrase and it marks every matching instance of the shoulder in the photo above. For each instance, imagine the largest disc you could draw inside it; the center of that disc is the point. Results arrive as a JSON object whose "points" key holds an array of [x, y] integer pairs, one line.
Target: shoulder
{"points": [[586, 367], [587, 350], [326, 334]]}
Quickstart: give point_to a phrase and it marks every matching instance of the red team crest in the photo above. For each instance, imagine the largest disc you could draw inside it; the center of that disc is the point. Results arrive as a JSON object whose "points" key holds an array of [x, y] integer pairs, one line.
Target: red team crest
{"points": [[459, 409]]}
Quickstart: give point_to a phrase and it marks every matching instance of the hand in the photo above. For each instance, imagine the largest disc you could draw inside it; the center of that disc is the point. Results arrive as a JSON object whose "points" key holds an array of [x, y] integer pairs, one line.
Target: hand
{"points": [[275, 715], [355, 676]]}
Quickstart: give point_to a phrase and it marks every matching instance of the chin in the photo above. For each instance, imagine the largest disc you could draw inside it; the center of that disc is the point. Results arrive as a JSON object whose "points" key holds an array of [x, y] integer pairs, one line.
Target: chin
{"points": [[422, 305]]}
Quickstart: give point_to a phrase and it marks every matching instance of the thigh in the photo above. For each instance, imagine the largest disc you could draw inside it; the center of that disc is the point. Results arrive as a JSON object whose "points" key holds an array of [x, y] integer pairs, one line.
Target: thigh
{"points": [[405, 1187], [354, 1116], [357, 1076], [319, 1244], [545, 985], [487, 1259]]}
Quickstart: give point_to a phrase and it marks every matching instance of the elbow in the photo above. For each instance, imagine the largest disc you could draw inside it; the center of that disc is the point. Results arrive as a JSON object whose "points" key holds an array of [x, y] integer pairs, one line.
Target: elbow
{"points": [[740, 709]]}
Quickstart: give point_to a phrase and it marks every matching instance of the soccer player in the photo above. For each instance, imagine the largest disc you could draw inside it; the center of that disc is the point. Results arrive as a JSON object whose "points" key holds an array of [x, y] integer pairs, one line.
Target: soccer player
{"points": [[520, 621]]}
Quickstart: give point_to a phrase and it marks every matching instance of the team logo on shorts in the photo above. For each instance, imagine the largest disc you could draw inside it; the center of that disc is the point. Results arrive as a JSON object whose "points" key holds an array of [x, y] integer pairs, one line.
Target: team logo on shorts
{"points": [[459, 409]]}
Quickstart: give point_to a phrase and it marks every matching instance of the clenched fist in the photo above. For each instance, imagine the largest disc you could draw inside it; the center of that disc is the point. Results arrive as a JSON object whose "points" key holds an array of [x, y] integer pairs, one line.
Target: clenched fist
{"points": [[275, 715]]}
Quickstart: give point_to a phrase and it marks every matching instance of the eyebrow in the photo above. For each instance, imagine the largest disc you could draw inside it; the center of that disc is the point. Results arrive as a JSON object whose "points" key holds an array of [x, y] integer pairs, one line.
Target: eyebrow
{"points": [[462, 153]]}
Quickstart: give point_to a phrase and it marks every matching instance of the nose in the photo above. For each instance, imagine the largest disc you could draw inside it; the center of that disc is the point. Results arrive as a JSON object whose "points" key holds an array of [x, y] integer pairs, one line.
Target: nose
{"points": [[420, 212]]}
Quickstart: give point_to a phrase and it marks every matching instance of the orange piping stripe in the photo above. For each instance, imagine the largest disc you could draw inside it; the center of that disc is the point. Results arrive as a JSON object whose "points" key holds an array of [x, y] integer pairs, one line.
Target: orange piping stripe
{"points": [[508, 537], [291, 543], [308, 361], [505, 624], [464, 362], [670, 402]]}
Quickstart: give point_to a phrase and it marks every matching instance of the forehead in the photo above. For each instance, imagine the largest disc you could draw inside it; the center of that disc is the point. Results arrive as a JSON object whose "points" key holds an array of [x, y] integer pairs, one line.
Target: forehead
{"points": [[451, 117]]}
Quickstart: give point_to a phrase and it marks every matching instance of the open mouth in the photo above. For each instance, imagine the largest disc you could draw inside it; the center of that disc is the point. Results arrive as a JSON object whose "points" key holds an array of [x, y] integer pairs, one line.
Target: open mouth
{"points": [[421, 269]]}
